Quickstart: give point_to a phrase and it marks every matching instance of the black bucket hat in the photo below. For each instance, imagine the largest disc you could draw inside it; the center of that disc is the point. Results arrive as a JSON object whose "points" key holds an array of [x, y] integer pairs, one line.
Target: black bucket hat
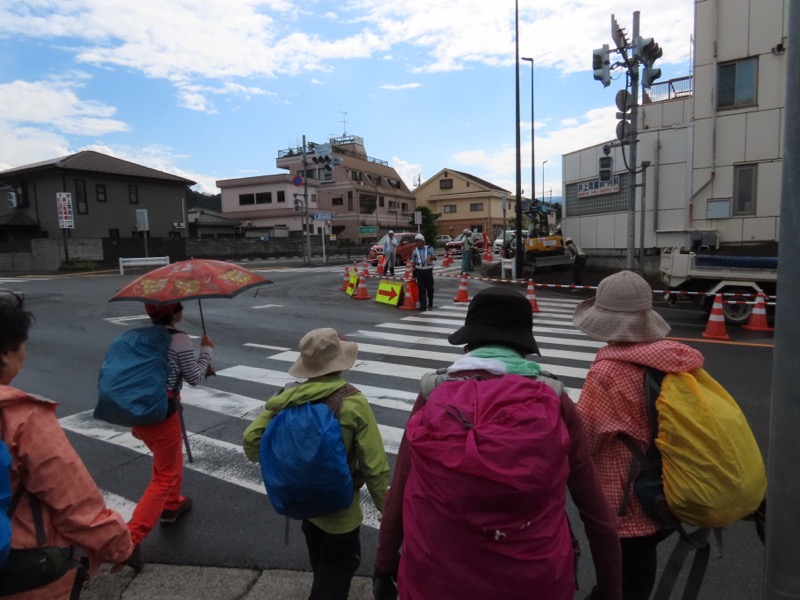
{"points": [[498, 315]]}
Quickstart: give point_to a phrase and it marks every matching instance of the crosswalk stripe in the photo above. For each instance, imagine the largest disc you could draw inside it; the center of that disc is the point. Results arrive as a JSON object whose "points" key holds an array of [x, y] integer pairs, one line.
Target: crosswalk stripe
{"points": [[430, 341], [426, 319]]}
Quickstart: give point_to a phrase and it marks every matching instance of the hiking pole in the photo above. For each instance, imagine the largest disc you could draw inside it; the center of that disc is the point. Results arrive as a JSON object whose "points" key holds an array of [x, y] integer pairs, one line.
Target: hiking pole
{"points": [[185, 437]]}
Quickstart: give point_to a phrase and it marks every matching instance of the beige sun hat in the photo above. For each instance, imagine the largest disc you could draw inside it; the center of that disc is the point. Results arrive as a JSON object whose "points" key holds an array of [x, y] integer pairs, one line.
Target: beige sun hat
{"points": [[323, 352], [622, 311]]}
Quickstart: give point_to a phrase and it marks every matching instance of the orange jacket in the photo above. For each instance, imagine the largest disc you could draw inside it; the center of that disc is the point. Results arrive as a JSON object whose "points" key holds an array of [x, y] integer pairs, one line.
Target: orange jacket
{"points": [[73, 510]]}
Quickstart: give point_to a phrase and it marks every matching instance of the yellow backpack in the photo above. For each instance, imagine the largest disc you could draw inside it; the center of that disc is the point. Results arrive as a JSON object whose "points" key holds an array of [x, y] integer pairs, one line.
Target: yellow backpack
{"points": [[713, 471], [704, 467]]}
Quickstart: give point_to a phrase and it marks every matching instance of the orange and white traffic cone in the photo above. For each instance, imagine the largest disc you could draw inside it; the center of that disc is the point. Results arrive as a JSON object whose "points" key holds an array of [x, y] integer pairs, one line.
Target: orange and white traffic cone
{"points": [[758, 318], [448, 258], [381, 261], [411, 293], [462, 295], [364, 269], [361, 292], [345, 279], [531, 296], [715, 329], [487, 254]]}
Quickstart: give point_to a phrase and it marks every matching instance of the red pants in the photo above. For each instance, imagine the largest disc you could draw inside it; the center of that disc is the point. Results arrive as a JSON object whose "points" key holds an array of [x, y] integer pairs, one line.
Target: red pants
{"points": [[164, 490]]}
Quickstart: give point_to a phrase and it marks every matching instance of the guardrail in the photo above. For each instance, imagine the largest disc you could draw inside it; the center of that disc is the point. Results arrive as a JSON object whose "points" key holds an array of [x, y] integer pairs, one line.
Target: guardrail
{"points": [[142, 262]]}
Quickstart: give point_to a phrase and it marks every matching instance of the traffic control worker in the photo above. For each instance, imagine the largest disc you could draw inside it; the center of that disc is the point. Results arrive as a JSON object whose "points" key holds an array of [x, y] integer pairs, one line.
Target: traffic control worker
{"points": [[389, 253], [422, 258]]}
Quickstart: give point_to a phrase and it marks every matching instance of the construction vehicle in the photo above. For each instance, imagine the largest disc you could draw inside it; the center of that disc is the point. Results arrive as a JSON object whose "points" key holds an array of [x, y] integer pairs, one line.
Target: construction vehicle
{"points": [[700, 276], [543, 249]]}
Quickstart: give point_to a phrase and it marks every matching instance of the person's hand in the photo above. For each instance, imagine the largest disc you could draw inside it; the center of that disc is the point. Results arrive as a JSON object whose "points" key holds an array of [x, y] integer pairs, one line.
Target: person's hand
{"points": [[383, 587], [206, 341]]}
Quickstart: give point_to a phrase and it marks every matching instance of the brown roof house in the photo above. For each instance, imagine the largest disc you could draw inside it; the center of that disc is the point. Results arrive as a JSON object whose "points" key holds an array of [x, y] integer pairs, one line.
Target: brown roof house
{"points": [[466, 202], [86, 197]]}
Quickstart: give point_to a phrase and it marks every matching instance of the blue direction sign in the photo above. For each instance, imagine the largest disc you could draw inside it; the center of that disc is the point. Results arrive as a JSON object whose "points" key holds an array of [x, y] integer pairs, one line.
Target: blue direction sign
{"points": [[322, 216]]}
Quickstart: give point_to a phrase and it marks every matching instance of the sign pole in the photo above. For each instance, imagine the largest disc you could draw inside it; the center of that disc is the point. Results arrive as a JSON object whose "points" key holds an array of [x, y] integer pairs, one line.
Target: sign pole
{"points": [[66, 246]]}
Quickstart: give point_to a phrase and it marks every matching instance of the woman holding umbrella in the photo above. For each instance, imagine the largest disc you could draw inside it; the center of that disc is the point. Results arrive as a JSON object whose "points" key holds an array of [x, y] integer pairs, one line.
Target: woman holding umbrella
{"points": [[162, 500]]}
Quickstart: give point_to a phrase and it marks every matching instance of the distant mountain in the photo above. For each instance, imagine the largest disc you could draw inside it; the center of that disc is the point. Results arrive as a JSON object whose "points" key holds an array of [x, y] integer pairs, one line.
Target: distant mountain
{"points": [[200, 200]]}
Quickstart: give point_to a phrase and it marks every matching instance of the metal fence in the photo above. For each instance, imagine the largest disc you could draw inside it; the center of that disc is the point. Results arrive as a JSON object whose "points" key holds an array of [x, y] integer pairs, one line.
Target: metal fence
{"points": [[668, 90]]}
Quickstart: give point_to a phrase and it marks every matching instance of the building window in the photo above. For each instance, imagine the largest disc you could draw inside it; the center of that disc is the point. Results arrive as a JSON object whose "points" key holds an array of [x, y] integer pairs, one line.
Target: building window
{"points": [[80, 197], [264, 198], [100, 192], [281, 196], [737, 83], [445, 184], [476, 207], [392, 206], [350, 201], [450, 208], [246, 199], [404, 208], [113, 234], [338, 201], [745, 179], [356, 175], [381, 201], [393, 183], [133, 194]]}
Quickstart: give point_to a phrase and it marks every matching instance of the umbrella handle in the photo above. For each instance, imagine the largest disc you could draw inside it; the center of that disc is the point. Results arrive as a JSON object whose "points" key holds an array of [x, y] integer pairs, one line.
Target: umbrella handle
{"points": [[202, 320]]}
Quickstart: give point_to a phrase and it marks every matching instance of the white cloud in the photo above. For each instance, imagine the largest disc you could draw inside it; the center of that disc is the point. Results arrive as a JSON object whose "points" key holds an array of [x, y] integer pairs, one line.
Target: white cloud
{"points": [[400, 86], [498, 166], [229, 39], [409, 172]]}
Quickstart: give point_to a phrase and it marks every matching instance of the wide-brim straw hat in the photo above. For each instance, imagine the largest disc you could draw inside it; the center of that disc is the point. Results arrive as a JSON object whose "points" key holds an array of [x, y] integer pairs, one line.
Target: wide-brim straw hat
{"points": [[622, 311], [323, 352], [498, 315]]}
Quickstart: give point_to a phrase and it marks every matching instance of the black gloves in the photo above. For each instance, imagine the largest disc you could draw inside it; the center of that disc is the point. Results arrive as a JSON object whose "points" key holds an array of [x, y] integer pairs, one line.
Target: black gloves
{"points": [[383, 587]]}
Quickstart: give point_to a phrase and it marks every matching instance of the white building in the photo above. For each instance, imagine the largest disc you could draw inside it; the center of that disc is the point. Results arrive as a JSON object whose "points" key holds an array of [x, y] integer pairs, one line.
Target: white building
{"points": [[713, 141]]}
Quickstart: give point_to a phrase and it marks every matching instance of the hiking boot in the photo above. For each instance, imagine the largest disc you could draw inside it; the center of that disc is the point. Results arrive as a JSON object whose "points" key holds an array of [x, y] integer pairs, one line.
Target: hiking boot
{"points": [[168, 517]]}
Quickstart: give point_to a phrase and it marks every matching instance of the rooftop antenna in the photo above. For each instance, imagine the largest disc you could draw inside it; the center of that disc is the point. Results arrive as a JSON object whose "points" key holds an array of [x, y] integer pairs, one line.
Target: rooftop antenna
{"points": [[344, 123]]}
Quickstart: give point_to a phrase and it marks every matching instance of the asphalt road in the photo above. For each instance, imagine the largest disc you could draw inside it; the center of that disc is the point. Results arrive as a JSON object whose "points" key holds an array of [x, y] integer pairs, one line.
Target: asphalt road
{"points": [[255, 335]]}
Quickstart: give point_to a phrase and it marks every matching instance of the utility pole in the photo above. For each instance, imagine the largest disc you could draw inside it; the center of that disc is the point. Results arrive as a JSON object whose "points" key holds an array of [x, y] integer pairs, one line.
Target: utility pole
{"points": [[518, 204], [633, 71], [304, 214], [783, 494]]}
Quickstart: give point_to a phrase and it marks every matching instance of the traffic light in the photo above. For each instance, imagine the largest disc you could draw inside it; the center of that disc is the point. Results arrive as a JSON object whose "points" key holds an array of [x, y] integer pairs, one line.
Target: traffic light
{"points": [[325, 161], [648, 51], [606, 165], [298, 203], [601, 65]]}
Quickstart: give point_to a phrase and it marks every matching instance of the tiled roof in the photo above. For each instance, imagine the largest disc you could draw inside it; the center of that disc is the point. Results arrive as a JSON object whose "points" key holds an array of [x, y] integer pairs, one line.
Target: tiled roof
{"points": [[480, 181], [89, 160]]}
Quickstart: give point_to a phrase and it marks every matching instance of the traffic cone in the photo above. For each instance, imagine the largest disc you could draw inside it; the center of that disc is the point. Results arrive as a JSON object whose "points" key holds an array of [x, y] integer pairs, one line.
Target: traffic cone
{"points": [[715, 329], [487, 254], [364, 269], [448, 258], [758, 318], [345, 279], [381, 261], [531, 296], [411, 295], [462, 295], [361, 292]]}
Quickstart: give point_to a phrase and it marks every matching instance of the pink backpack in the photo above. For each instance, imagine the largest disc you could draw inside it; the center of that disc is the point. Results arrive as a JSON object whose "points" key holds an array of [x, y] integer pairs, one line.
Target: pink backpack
{"points": [[484, 505]]}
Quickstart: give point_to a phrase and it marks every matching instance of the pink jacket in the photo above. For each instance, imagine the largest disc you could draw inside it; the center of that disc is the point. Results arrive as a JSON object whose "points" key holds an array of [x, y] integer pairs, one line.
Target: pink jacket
{"points": [[73, 510]]}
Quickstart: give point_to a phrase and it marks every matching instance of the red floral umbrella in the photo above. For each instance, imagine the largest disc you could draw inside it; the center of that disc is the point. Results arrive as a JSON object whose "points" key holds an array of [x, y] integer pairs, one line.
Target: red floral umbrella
{"points": [[193, 279]]}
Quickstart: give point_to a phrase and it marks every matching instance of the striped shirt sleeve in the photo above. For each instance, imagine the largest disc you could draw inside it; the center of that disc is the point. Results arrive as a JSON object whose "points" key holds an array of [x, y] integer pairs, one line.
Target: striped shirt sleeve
{"points": [[184, 365]]}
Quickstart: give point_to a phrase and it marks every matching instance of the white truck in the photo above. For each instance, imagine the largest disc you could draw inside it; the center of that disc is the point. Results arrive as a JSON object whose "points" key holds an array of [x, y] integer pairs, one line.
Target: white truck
{"points": [[698, 277]]}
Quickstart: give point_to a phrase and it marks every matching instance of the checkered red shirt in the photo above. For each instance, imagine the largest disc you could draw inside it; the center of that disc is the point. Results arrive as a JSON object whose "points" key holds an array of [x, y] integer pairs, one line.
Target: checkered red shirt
{"points": [[613, 402]]}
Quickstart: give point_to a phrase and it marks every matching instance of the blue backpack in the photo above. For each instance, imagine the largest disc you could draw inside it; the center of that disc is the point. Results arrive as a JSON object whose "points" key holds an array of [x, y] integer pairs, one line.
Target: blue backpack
{"points": [[303, 460], [5, 502], [132, 387]]}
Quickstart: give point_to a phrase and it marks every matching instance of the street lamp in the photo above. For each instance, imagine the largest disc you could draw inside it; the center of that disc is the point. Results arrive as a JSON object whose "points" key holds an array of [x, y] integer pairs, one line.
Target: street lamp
{"points": [[533, 143], [543, 162]]}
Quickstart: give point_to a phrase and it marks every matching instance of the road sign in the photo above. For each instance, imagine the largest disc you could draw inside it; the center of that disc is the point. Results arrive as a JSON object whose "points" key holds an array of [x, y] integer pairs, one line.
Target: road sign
{"points": [[417, 217], [389, 292], [64, 208], [297, 181], [322, 216], [368, 230]]}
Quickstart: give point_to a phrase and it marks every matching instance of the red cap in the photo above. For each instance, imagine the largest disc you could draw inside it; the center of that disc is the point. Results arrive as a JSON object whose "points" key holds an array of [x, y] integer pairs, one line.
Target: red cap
{"points": [[163, 311]]}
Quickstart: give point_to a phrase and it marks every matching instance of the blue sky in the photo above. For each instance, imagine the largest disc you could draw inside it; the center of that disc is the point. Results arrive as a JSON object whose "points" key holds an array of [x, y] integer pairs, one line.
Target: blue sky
{"points": [[213, 89]]}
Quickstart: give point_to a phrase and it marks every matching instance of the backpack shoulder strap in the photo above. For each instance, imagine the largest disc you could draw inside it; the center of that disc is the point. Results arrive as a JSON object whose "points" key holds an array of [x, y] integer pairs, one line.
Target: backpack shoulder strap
{"points": [[337, 398], [552, 382], [431, 380]]}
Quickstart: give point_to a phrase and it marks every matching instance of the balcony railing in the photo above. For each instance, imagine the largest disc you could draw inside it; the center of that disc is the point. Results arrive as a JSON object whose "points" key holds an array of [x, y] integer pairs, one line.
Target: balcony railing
{"points": [[668, 90]]}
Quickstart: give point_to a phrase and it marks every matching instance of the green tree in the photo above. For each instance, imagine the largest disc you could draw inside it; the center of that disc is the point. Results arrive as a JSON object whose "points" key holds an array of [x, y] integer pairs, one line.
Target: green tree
{"points": [[428, 227]]}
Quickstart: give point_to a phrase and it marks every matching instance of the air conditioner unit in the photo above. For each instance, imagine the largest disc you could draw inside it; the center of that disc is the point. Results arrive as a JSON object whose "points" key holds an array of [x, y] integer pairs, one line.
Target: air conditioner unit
{"points": [[177, 225]]}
